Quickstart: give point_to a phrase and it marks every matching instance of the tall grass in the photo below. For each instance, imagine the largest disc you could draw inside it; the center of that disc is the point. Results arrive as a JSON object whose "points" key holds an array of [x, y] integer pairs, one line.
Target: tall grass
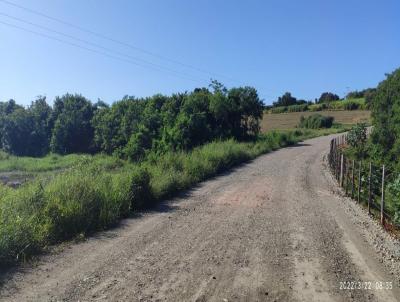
{"points": [[53, 162], [88, 197]]}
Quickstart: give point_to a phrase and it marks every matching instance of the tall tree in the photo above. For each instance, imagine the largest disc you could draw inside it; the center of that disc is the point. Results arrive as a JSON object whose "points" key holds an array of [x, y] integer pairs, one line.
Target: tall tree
{"points": [[327, 97], [386, 119], [73, 131], [285, 100]]}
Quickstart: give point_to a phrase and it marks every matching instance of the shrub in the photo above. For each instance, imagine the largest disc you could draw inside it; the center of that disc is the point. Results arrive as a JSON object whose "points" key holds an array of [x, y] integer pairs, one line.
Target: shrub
{"points": [[393, 199], [350, 105], [297, 108], [357, 138], [281, 109], [317, 107], [385, 116], [141, 192], [316, 121]]}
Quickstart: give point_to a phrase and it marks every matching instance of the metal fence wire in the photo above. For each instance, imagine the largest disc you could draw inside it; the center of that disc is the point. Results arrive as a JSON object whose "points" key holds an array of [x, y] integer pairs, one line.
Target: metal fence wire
{"points": [[363, 181]]}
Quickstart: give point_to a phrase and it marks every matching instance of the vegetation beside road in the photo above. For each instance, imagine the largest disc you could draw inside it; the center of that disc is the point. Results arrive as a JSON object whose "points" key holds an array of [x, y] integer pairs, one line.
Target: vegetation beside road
{"points": [[91, 196], [383, 145]]}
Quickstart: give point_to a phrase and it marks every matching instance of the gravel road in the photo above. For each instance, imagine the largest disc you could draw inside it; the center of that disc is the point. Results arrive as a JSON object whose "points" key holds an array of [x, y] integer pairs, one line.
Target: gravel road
{"points": [[275, 229]]}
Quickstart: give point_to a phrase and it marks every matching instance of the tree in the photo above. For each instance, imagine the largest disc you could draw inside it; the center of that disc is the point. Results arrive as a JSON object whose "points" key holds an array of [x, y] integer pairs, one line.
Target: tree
{"points": [[138, 144], [357, 138], [285, 100], [327, 97], [246, 113], [6, 108], [18, 138], [25, 132], [385, 111], [41, 113], [73, 131], [114, 126]]}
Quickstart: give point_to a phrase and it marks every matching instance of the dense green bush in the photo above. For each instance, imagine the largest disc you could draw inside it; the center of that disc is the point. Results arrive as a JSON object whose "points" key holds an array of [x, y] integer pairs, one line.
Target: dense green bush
{"points": [[72, 130], [141, 194], [357, 138], [393, 199], [316, 121], [385, 140]]}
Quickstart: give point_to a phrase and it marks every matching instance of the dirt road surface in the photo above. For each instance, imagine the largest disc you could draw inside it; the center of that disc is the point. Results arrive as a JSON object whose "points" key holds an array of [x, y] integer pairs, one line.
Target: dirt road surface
{"points": [[274, 229]]}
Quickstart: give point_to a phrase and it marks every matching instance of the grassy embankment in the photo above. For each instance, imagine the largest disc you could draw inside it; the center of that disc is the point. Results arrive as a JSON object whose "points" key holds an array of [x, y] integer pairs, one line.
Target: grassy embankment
{"points": [[92, 193]]}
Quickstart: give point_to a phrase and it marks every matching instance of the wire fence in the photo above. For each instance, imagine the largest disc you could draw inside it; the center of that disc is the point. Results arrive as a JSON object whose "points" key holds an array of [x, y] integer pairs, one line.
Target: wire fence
{"points": [[363, 181]]}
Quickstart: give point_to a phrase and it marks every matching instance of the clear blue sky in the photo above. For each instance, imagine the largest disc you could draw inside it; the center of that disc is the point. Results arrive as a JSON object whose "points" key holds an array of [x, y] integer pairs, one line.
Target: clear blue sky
{"points": [[305, 47]]}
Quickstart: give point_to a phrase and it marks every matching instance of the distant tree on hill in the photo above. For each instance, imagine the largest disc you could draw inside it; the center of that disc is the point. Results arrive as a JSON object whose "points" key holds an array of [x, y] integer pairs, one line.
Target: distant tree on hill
{"points": [[360, 94], [285, 100], [327, 97]]}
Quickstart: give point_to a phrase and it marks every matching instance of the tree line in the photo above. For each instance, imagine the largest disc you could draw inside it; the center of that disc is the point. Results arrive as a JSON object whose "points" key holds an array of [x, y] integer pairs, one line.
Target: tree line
{"points": [[326, 97], [131, 127], [385, 110]]}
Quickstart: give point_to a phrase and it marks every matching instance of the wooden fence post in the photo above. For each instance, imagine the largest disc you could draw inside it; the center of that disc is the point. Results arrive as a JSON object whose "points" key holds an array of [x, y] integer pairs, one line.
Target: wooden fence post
{"points": [[346, 176], [369, 188], [337, 165], [383, 196], [359, 182], [352, 179], [341, 169]]}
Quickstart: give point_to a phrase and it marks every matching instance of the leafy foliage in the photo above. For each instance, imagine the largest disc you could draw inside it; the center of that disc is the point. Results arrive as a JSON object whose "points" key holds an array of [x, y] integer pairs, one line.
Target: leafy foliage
{"points": [[72, 131], [130, 128], [385, 141], [89, 197], [316, 121], [288, 100], [25, 131], [393, 199], [357, 138], [327, 97]]}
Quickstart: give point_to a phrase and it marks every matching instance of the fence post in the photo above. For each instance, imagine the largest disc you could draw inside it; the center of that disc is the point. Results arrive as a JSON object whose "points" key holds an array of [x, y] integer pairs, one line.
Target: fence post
{"points": [[359, 182], [383, 196], [369, 188], [352, 179], [337, 165], [346, 176], [341, 169]]}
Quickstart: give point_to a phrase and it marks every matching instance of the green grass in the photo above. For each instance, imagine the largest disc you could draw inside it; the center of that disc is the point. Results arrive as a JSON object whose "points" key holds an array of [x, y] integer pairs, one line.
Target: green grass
{"points": [[52, 162], [90, 196]]}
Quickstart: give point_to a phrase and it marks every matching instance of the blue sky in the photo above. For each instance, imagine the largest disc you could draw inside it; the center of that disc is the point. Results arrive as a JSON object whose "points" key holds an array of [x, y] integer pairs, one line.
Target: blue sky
{"points": [[305, 47]]}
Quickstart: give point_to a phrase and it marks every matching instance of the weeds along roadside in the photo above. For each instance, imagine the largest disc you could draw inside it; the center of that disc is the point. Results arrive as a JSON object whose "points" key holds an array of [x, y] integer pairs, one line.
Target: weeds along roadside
{"points": [[88, 197]]}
